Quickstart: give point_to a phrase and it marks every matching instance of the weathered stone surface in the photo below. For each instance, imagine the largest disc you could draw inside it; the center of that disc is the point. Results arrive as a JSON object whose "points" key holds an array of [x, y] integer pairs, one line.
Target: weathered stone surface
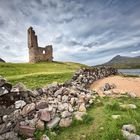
{"points": [[6, 127], [2, 81], [79, 115], [28, 108], [65, 114], [41, 104], [27, 131], [58, 92], [9, 136], [19, 87], [20, 104], [132, 94], [82, 108], [6, 111], [108, 92], [44, 137], [53, 122], [130, 136], [3, 91], [40, 125], [65, 122], [7, 86], [129, 131], [5, 118], [106, 87], [44, 115], [32, 122], [129, 127], [64, 98]]}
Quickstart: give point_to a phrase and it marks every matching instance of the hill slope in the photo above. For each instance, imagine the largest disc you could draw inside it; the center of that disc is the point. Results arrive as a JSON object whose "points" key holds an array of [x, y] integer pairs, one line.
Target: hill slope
{"points": [[40, 74], [1, 60], [124, 62]]}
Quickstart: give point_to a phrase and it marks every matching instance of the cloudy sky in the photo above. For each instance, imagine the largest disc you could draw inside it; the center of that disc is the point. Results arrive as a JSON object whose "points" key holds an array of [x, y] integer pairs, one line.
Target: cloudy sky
{"points": [[86, 31]]}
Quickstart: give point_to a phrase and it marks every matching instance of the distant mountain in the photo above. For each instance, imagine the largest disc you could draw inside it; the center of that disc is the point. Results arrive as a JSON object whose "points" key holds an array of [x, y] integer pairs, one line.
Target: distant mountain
{"points": [[1, 60], [124, 62]]}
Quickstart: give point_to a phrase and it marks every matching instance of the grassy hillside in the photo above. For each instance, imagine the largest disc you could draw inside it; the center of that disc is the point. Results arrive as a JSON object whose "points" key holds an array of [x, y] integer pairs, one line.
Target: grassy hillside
{"points": [[40, 74], [124, 62]]}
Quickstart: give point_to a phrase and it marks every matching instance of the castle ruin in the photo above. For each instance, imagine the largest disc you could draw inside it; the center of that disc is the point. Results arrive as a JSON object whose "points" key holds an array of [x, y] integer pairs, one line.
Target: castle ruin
{"points": [[36, 53]]}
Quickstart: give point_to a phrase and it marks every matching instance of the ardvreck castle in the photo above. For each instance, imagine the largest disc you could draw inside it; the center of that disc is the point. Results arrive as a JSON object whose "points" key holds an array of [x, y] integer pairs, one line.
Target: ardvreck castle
{"points": [[36, 53]]}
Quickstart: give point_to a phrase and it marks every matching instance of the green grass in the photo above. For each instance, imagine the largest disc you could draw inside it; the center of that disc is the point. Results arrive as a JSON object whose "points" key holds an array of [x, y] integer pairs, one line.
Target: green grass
{"points": [[98, 124], [40, 74]]}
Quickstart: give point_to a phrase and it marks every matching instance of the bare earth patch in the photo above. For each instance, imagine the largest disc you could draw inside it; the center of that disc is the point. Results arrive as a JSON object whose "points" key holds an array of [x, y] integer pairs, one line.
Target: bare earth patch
{"points": [[123, 84]]}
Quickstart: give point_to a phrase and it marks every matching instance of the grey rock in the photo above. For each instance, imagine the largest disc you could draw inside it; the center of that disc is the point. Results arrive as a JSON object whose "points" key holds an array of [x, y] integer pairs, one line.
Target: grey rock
{"points": [[79, 115], [19, 87], [20, 104], [106, 87], [132, 94], [59, 92], [3, 91], [26, 131], [40, 125], [64, 98], [41, 104], [130, 136], [32, 122], [129, 127], [128, 106], [44, 137], [6, 127], [65, 114], [65, 122], [9, 136], [2, 81], [53, 123], [44, 115], [27, 109]]}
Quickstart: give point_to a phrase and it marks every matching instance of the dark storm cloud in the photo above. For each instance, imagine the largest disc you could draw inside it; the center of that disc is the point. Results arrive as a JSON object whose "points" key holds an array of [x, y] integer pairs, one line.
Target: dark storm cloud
{"points": [[87, 31]]}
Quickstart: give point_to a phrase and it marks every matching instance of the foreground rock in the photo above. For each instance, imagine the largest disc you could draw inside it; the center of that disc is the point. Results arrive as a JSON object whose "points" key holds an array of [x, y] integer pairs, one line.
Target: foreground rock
{"points": [[129, 131], [23, 110]]}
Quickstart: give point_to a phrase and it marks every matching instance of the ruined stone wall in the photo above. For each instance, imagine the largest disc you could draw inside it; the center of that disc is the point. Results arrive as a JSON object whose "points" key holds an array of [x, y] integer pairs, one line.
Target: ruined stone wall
{"points": [[36, 53]]}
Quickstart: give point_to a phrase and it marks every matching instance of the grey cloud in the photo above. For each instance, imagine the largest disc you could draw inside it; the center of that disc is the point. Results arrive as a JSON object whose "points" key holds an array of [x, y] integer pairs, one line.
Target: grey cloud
{"points": [[85, 31]]}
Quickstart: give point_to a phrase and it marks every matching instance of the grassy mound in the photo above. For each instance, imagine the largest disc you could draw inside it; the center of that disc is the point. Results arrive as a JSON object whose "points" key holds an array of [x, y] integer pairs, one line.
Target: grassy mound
{"points": [[40, 74]]}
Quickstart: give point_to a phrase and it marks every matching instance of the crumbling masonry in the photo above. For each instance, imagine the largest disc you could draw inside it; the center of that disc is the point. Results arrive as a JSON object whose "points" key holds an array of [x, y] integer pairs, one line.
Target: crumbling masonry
{"points": [[36, 53]]}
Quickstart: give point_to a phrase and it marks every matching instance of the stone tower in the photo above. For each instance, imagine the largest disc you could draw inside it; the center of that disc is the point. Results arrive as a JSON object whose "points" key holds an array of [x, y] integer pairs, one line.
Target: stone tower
{"points": [[36, 53]]}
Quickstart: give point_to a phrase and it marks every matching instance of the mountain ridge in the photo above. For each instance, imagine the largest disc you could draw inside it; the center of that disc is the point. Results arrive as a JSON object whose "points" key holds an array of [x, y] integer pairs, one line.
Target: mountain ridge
{"points": [[124, 62]]}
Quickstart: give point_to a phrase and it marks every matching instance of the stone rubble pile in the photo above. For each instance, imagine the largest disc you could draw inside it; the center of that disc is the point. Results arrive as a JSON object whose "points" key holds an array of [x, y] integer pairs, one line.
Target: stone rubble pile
{"points": [[22, 111]]}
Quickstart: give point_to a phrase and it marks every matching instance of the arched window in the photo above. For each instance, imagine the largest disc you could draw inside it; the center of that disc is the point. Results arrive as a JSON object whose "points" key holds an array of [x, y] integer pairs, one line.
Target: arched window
{"points": [[43, 51]]}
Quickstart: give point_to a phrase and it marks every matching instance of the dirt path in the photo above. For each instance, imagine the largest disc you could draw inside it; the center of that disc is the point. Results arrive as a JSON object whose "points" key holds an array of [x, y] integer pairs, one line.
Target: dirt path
{"points": [[123, 84]]}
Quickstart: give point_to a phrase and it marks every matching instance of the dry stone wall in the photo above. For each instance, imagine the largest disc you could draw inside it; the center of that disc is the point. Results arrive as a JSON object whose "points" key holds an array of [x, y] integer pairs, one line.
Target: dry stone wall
{"points": [[23, 110]]}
